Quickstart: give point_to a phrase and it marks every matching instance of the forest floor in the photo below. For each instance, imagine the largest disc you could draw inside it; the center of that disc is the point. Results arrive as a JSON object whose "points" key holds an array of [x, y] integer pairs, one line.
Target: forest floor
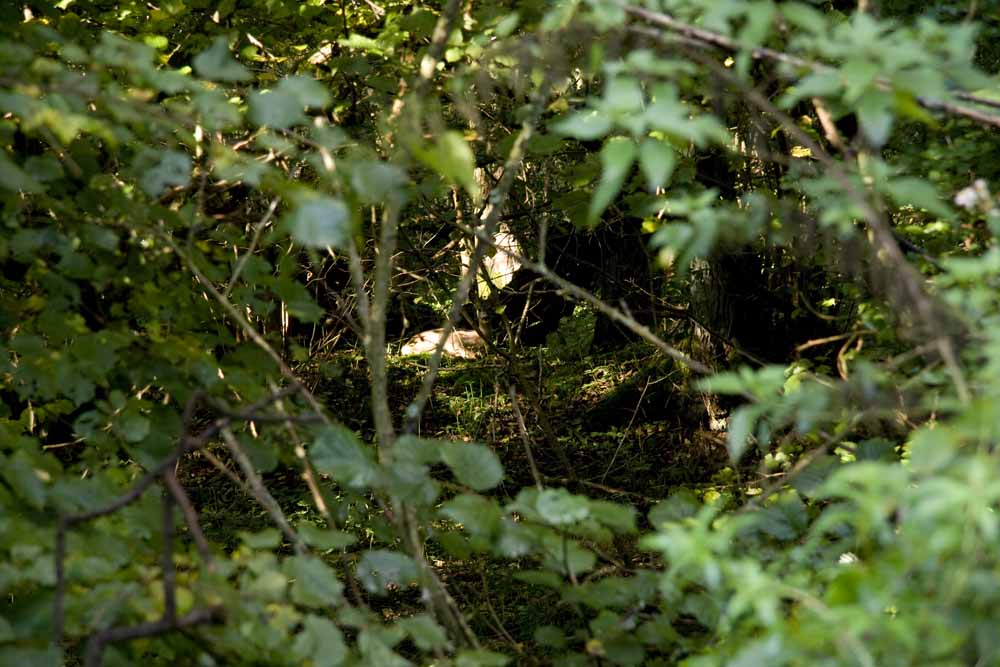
{"points": [[632, 432]]}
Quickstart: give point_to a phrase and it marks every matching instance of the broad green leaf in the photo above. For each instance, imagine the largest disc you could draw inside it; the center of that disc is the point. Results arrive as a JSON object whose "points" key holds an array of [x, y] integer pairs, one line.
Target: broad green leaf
{"points": [[321, 642], [377, 182], [859, 74], [480, 658], [314, 583], [478, 515], [918, 193], [14, 178], [409, 480], [269, 585], [285, 105], [376, 645], [620, 518], [339, 453], [875, 116], [551, 636], [425, 632], [418, 450], [559, 507], [657, 160], [741, 424], [25, 479], [617, 157], [324, 538], [24, 656], [804, 16], [132, 426], [217, 64], [321, 222], [682, 504], [473, 464], [164, 169], [452, 158], [812, 477], [623, 95], [215, 110], [379, 568], [269, 538], [584, 125], [567, 556], [785, 518]]}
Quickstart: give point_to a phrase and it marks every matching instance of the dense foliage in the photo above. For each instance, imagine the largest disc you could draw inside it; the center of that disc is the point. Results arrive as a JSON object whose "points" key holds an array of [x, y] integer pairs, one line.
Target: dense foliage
{"points": [[735, 269]]}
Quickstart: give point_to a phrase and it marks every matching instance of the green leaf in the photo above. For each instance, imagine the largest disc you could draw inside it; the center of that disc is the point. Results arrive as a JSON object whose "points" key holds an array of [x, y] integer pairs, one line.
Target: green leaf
{"points": [[478, 515], [452, 158], [169, 168], [473, 464], [215, 110], [380, 568], [805, 17], [339, 453], [321, 642], [314, 583], [50, 656], [741, 424], [269, 538], [566, 556], [551, 636], [623, 95], [559, 507], [812, 477], [409, 480], [480, 658], [785, 518], [285, 105], [682, 504], [425, 632], [321, 222], [132, 426], [620, 518], [918, 193], [376, 647], [217, 64], [617, 157], [875, 116], [14, 178], [377, 182], [23, 477], [418, 450], [584, 125], [657, 160], [324, 538]]}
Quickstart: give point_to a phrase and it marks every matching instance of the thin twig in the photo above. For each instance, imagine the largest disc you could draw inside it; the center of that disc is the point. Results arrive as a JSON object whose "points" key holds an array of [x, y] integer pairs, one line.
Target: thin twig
{"points": [[525, 438], [189, 513], [255, 239], [260, 492], [95, 645]]}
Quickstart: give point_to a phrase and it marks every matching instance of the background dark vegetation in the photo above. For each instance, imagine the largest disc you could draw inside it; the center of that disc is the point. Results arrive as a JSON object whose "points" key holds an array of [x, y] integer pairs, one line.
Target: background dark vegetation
{"points": [[736, 404]]}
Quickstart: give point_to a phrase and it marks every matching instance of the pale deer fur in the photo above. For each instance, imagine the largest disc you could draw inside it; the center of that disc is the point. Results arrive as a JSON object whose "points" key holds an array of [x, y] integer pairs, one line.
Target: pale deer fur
{"points": [[461, 343]]}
